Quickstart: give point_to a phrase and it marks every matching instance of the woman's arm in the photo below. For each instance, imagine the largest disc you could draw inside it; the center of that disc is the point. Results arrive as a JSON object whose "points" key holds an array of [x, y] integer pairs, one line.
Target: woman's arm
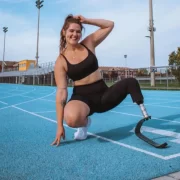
{"points": [[61, 98], [102, 23], [61, 93], [98, 36]]}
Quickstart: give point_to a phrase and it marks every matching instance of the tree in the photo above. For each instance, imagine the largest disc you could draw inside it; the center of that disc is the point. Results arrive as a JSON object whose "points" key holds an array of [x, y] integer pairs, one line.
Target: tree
{"points": [[174, 61], [142, 72]]}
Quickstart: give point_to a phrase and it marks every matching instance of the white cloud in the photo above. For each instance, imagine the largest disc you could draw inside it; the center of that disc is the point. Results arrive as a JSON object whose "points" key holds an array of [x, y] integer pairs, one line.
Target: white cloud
{"points": [[23, 46], [21, 40], [14, 1], [128, 37], [60, 1], [13, 21]]}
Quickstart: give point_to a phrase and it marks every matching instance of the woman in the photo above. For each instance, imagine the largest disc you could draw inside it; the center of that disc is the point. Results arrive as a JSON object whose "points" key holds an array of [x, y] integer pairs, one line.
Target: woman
{"points": [[78, 61]]}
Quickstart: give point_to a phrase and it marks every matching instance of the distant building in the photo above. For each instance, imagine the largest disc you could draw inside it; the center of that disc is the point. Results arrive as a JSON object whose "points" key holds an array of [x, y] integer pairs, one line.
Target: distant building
{"points": [[117, 72], [26, 64], [8, 66]]}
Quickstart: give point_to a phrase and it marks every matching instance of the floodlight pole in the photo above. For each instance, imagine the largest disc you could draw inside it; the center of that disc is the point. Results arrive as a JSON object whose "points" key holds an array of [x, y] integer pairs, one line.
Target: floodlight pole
{"points": [[5, 29], [39, 5], [151, 29]]}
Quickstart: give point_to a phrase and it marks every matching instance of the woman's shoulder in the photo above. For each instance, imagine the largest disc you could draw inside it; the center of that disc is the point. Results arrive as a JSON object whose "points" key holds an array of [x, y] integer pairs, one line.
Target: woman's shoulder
{"points": [[60, 60], [88, 45]]}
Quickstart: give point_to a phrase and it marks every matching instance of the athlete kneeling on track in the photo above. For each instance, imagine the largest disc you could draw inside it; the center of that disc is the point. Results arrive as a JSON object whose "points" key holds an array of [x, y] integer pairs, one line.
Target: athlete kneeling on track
{"points": [[78, 61]]}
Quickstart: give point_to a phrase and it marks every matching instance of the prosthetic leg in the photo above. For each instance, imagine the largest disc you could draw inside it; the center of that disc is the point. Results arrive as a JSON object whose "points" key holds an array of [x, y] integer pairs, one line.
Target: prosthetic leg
{"points": [[143, 137]]}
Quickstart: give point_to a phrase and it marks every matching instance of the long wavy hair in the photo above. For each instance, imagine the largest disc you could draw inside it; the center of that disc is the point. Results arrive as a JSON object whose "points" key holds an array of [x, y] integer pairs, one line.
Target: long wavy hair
{"points": [[68, 20]]}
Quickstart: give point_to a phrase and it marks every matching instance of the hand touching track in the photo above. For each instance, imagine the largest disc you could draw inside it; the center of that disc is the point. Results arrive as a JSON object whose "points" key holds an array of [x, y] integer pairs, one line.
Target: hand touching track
{"points": [[60, 134]]}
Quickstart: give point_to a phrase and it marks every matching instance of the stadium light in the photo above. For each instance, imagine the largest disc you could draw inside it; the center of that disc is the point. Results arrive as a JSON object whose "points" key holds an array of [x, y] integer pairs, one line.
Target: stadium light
{"points": [[125, 56]]}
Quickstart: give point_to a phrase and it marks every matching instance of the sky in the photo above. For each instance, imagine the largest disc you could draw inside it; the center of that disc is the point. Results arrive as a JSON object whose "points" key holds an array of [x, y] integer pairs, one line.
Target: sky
{"points": [[131, 18]]}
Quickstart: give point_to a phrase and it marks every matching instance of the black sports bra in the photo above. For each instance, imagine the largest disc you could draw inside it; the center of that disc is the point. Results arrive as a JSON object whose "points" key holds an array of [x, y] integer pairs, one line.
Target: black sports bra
{"points": [[82, 69]]}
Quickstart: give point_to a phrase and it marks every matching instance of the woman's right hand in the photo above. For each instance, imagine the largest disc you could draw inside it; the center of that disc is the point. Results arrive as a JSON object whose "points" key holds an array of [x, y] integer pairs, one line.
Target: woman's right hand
{"points": [[81, 18], [60, 133]]}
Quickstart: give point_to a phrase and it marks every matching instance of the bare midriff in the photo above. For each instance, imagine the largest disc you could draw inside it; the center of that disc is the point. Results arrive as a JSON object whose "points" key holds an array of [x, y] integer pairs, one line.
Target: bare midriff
{"points": [[95, 76]]}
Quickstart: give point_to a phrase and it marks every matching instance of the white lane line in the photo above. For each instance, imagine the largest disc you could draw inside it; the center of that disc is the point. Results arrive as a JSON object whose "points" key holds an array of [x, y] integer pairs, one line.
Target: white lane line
{"points": [[118, 112], [6, 91], [48, 100], [125, 106], [107, 139], [174, 135], [34, 114], [160, 99], [27, 101], [128, 146], [18, 94], [172, 156], [131, 114], [42, 112], [119, 106], [164, 102], [5, 107], [161, 94], [36, 98], [170, 107], [3, 103], [26, 96]]}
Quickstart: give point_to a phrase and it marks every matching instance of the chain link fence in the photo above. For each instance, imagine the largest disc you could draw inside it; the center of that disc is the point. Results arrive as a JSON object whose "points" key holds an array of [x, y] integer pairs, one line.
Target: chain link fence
{"points": [[166, 77]]}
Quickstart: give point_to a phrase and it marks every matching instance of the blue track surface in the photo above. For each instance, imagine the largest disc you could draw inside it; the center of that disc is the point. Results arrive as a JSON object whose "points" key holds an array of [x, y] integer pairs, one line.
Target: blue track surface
{"points": [[112, 151]]}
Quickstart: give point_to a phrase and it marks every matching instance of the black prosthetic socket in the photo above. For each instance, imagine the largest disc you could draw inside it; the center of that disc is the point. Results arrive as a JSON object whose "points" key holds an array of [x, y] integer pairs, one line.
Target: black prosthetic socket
{"points": [[139, 102]]}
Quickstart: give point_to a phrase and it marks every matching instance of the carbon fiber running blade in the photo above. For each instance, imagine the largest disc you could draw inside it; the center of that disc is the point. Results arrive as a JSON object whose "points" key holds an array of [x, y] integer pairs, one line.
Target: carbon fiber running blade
{"points": [[151, 142], [146, 139]]}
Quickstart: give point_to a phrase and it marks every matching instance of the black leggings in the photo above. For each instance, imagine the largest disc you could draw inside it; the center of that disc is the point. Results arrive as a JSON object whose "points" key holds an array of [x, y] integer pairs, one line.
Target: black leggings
{"points": [[101, 98]]}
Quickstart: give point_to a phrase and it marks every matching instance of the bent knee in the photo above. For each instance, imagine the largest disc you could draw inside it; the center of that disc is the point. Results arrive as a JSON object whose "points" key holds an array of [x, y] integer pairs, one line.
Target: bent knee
{"points": [[70, 119], [75, 113]]}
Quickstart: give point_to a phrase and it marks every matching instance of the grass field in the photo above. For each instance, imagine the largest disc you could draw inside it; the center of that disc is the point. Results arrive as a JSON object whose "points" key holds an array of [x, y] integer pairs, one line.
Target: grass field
{"points": [[163, 85]]}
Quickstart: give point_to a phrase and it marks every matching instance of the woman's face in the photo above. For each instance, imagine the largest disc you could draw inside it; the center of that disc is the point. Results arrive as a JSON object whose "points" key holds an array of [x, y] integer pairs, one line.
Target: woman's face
{"points": [[73, 34]]}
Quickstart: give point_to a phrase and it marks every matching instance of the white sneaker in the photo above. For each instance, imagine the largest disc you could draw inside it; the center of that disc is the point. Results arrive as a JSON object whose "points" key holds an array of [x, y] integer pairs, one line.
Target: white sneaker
{"points": [[81, 133]]}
